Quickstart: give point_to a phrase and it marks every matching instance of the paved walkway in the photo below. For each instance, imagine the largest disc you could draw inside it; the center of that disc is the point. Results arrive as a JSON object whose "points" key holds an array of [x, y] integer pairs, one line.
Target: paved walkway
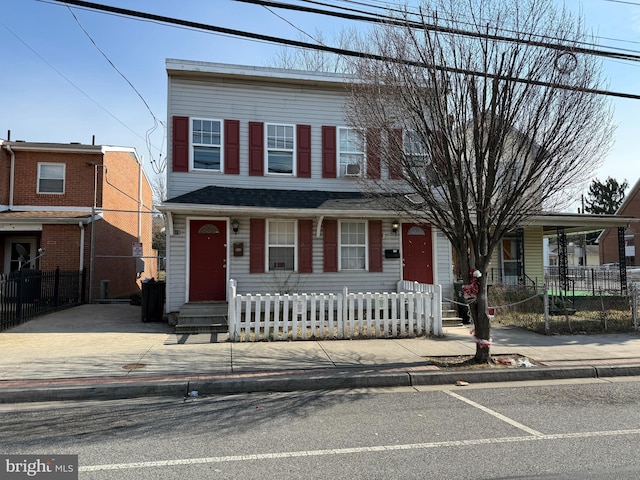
{"points": [[105, 351]]}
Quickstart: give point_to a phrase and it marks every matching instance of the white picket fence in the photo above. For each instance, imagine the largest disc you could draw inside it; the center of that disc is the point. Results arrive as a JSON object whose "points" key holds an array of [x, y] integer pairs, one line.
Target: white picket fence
{"points": [[311, 316]]}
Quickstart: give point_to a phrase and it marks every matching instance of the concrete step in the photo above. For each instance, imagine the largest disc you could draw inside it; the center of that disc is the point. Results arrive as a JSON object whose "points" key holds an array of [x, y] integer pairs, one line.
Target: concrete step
{"points": [[203, 318]]}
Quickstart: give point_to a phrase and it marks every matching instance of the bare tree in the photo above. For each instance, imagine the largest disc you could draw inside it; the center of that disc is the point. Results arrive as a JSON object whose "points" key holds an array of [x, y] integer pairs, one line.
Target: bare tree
{"points": [[482, 132], [295, 58]]}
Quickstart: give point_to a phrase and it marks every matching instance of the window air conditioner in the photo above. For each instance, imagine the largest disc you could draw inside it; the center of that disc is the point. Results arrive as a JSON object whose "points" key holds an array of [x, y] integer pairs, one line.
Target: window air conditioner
{"points": [[353, 169]]}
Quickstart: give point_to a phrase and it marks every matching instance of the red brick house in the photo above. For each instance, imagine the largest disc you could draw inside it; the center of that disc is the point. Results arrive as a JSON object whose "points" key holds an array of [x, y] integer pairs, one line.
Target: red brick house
{"points": [[609, 241], [74, 207]]}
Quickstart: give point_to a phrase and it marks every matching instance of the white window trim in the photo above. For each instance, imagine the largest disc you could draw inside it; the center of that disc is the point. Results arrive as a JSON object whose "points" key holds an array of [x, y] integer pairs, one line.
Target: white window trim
{"points": [[366, 245], [268, 245], [339, 152], [64, 178], [192, 145], [294, 150]]}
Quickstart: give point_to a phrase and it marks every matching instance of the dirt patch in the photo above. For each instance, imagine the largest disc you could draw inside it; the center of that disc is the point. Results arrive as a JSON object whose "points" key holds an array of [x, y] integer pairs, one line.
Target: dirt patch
{"points": [[469, 361]]}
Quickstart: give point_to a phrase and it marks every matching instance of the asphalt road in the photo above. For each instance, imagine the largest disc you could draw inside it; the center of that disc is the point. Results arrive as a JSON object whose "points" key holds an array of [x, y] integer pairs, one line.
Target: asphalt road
{"points": [[543, 430]]}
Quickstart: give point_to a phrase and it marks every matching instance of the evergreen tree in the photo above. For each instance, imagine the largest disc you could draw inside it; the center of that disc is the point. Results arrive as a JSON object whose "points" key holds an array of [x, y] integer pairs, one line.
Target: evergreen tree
{"points": [[605, 197]]}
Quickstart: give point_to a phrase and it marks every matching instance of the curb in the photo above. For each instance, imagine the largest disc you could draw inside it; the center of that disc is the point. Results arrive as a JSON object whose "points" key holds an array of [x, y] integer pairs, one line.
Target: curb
{"points": [[304, 380]]}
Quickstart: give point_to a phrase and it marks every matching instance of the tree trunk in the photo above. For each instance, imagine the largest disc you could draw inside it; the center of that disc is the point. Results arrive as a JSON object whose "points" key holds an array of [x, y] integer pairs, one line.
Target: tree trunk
{"points": [[482, 325]]}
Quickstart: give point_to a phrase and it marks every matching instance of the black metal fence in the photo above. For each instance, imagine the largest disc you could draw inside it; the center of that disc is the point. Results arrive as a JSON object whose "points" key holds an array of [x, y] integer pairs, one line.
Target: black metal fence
{"points": [[590, 280], [27, 293]]}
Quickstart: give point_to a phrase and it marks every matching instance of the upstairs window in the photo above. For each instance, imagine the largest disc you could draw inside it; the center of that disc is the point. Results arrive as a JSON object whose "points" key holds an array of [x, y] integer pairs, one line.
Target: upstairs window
{"points": [[206, 144], [353, 245], [281, 245], [280, 149], [351, 150], [415, 150], [51, 177]]}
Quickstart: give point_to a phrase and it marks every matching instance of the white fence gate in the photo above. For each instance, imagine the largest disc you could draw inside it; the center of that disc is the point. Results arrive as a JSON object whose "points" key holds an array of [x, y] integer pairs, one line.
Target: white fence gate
{"points": [[310, 316]]}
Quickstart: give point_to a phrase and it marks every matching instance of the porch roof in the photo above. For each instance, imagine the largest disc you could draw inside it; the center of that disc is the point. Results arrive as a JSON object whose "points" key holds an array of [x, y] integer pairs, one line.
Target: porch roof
{"points": [[9, 217], [577, 222], [228, 199]]}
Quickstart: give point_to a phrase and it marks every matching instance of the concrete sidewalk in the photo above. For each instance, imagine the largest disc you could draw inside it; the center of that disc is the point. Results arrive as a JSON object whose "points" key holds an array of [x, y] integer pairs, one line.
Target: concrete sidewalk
{"points": [[105, 352]]}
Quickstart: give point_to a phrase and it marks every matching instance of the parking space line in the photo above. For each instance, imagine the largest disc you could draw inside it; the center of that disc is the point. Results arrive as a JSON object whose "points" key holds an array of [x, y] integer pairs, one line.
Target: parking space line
{"points": [[353, 450], [508, 420]]}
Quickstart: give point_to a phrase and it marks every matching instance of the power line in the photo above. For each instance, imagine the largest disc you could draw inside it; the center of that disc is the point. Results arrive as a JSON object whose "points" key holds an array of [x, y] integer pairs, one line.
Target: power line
{"points": [[156, 120], [376, 18], [68, 80], [340, 51]]}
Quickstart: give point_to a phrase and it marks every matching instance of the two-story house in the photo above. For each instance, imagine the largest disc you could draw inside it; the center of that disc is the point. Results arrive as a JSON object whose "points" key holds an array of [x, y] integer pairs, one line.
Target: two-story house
{"points": [[262, 188], [75, 207]]}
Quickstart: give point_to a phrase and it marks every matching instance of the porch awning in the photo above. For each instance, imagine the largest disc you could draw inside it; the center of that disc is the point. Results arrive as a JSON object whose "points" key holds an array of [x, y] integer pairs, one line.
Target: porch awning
{"points": [[577, 222], [268, 201]]}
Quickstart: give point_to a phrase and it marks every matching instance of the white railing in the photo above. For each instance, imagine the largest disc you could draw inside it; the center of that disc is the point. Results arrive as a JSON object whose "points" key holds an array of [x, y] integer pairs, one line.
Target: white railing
{"points": [[310, 316]]}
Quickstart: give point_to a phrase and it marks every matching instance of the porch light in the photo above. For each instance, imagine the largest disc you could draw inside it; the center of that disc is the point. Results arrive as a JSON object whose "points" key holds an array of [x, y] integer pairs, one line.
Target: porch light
{"points": [[235, 225], [394, 226]]}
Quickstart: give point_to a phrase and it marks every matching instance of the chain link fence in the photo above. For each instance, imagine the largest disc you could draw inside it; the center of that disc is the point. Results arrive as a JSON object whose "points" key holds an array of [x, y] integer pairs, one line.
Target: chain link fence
{"points": [[122, 255], [554, 312]]}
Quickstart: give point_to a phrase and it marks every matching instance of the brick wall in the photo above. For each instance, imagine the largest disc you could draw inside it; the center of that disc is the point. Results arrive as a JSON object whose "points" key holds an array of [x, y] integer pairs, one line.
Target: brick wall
{"points": [[609, 242], [79, 179]]}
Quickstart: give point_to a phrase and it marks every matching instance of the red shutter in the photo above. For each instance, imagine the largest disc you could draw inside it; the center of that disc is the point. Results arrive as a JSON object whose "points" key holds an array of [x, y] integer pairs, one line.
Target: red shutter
{"points": [[330, 245], [373, 153], [304, 151], [305, 246], [256, 149], [232, 147], [328, 152], [256, 245], [180, 144], [395, 154], [375, 245]]}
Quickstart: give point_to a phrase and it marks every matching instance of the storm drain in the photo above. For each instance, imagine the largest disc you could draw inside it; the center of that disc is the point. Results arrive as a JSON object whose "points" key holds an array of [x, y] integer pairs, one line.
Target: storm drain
{"points": [[134, 366]]}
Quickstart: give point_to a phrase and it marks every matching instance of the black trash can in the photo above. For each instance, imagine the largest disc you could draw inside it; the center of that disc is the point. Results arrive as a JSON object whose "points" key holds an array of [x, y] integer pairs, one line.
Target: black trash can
{"points": [[463, 310], [30, 286], [153, 295]]}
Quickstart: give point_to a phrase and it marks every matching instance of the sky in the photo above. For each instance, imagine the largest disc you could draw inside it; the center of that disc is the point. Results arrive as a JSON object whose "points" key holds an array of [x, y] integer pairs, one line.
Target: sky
{"points": [[60, 85]]}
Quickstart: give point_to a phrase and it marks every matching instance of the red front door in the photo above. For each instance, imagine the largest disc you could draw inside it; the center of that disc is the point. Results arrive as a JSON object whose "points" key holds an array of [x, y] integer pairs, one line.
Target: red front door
{"points": [[207, 260], [417, 253]]}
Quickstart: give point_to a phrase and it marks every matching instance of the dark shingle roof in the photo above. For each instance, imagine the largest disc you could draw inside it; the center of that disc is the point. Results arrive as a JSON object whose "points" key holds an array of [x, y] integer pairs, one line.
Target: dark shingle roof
{"points": [[263, 197]]}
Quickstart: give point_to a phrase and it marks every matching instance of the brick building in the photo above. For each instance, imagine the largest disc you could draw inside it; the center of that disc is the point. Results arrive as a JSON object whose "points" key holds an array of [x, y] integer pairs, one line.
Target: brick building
{"points": [[612, 241], [75, 207]]}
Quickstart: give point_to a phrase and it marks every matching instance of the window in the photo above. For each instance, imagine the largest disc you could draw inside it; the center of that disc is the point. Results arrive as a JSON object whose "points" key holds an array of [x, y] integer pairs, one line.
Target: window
{"points": [[350, 152], [51, 177], [353, 245], [415, 150], [280, 148], [281, 245], [206, 142]]}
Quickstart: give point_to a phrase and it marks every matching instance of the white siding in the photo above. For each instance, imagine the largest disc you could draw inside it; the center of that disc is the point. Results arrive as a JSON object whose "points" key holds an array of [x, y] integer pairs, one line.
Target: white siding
{"points": [[533, 254], [443, 263], [255, 102], [176, 264]]}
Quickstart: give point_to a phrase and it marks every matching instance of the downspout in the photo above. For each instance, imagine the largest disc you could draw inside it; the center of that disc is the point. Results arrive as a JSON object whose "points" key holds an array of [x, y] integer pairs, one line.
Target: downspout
{"points": [[81, 263], [140, 202], [11, 175]]}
